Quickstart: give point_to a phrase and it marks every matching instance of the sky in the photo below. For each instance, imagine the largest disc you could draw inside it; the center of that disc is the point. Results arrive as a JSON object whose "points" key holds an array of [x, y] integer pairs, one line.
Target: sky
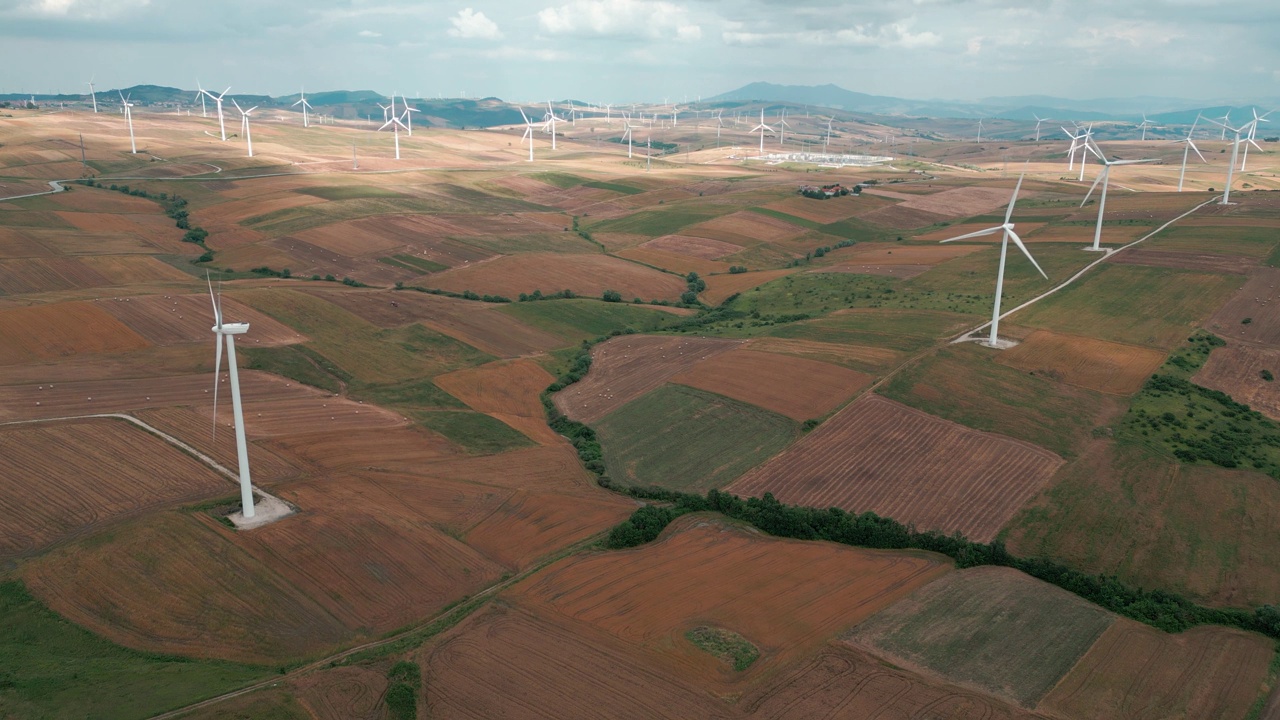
{"points": [[650, 50]]}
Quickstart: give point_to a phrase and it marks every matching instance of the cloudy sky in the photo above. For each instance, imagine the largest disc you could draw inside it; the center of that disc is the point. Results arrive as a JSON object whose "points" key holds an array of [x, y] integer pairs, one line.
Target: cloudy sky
{"points": [[647, 50]]}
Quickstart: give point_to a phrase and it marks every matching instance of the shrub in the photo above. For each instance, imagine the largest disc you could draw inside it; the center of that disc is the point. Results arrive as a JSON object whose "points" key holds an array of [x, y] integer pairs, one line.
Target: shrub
{"points": [[612, 296]]}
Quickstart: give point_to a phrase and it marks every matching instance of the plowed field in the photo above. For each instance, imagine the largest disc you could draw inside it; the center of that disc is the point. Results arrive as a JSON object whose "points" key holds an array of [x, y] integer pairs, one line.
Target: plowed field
{"points": [[791, 386], [346, 238], [1095, 364], [857, 356], [588, 275], [173, 319], [627, 367], [343, 693], [895, 254], [59, 479], [395, 448], [1258, 300], [49, 332], [828, 211], [1135, 671], [744, 228], [545, 467], [1237, 371], [720, 287], [900, 217], [1024, 230], [706, 572], [674, 262], [907, 465], [530, 525], [194, 428], [122, 586], [1207, 262], [509, 391], [26, 276], [699, 247]]}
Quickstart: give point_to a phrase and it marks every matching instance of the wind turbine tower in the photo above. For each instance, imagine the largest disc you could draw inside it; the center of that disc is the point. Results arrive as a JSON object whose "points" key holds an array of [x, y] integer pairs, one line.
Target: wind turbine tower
{"points": [[222, 123], [626, 124], [227, 331], [1187, 151], [551, 124], [408, 115], [528, 133], [1144, 124], [244, 124], [1235, 153], [979, 131], [394, 123], [1105, 178], [1038, 121], [762, 129], [92, 95], [306, 120], [782, 128], [128, 116]]}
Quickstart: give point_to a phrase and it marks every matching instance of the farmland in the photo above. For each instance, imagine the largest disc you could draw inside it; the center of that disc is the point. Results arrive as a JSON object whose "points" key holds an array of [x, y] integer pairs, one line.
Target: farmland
{"points": [[1240, 371], [588, 275], [861, 459], [791, 386], [1094, 364]]}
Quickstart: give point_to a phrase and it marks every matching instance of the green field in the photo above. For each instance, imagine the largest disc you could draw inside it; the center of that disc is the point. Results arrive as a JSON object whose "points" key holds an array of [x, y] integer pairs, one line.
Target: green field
{"points": [[1133, 304], [291, 362], [50, 668], [415, 394], [1257, 242], [686, 439], [582, 319], [349, 192], [269, 704], [993, 627], [564, 181], [665, 221], [906, 330], [963, 383], [613, 187], [729, 646], [475, 432]]}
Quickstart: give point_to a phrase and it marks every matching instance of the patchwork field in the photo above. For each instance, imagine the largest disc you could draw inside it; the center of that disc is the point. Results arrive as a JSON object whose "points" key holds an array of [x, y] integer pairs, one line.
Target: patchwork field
{"points": [[173, 319], [508, 391], [1256, 301], [744, 228], [791, 386], [1095, 364], [588, 275], [901, 463], [699, 247], [993, 629], [1185, 260], [49, 332], [721, 287], [1238, 370]]}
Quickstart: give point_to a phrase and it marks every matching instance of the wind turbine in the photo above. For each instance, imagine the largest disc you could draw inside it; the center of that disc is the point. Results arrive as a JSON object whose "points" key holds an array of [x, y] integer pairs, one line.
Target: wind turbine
{"points": [[222, 124], [1038, 121], [244, 124], [128, 115], [1007, 228], [1105, 178], [93, 95], [229, 331], [528, 133], [551, 124], [827, 141], [1145, 122], [1226, 120], [626, 123], [979, 131], [1187, 151], [408, 115], [782, 127], [1253, 128], [1235, 152], [306, 120], [719, 125], [763, 129], [394, 122]]}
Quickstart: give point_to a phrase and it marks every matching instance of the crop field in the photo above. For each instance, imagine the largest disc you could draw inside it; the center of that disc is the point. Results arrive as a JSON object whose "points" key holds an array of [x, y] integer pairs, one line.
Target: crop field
{"points": [[1185, 260], [121, 585], [36, 275], [698, 247], [193, 427], [744, 228], [1133, 304], [709, 572], [1082, 233], [1237, 370], [529, 525], [903, 217], [673, 262], [349, 450], [508, 391], [577, 319], [721, 287], [1095, 364], [658, 222], [588, 275], [1258, 302], [791, 386], [1220, 236], [342, 693], [59, 480], [174, 319], [305, 259], [896, 254], [1204, 672], [990, 628], [51, 332], [904, 464], [682, 438], [345, 238], [629, 366], [831, 210], [864, 358]]}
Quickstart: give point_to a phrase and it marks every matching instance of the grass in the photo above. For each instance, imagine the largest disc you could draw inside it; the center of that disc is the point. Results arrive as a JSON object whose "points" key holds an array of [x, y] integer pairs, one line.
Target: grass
{"points": [[349, 192], [727, 645], [1133, 304], [413, 263], [685, 439], [658, 222], [291, 362], [581, 319], [1256, 242], [419, 393], [1003, 631], [475, 432], [964, 384], [906, 330], [613, 187], [779, 215], [50, 668], [564, 181], [297, 219]]}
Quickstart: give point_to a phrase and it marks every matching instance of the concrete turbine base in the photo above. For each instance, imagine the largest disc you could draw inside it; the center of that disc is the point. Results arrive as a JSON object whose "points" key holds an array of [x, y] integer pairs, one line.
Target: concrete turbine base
{"points": [[999, 344], [1090, 248], [267, 509]]}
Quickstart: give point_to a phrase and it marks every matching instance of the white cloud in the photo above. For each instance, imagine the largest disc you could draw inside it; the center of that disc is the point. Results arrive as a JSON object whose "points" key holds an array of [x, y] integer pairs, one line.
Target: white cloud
{"points": [[81, 9], [649, 18], [472, 24], [896, 35], [369, 34]]}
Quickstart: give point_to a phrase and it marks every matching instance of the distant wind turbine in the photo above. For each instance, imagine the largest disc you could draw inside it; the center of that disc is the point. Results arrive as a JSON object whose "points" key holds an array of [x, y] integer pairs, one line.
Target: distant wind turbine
{"points": [[762, 128], [228, 331], [528, 133], [302, 100], [1038, 121], [1253, 129], [626, 133], [394, 123], [408, 114], [782, 127], [244, 124], [222, 124], [979, 131], [551, 119], [1144, 124], [1008, 230], [92, 95], [827, 142], [128, 116], [1235, 153], [1105, 178], [1187, 151]]}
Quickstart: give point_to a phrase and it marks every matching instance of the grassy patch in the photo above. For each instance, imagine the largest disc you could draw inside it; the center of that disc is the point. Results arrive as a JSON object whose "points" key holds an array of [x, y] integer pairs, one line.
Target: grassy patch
{"points": [[475, 432], [727, 645], [405, 680], [613, 187], [52, 668], [1257, 242], [413, 263], [681, 438], [778, 215], [349, 192], [906, 330], [288, 361], [666, 221], [564, 181], [581, 319], [561, 242], [419, 393]]}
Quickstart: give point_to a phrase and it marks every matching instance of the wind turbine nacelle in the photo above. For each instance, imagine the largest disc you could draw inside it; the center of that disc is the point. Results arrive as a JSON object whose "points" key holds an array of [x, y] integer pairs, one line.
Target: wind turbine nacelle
{"points": [[231, 328]]}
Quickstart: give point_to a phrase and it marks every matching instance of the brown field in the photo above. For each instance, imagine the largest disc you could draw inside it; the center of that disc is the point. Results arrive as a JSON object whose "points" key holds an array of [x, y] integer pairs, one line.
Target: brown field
{"points": [[146, 227], [958, 229], [840, 354], [236, 211], [961, 201], [174, 319], [134, 269], [1135, 671], [21, 243], [550, 468], [35, 275], [704, 571], [720, 287], [588, 275], [364, 449], [1205, 262], [529, 525], [343, 693], [507, 390], [627, 367], [58, 480], [1111, 234], [674, 262], [791, 386], [345, 238], [1237, 371], [902, 271], [95, 200], [744, 228], [306, 259], [898, 254], [828, 211], [125, 586], [1095, 364], [49, 332], [901, 217], [841, 682], [1258, 300], [699, 247], [193, 427], [907, 465]]}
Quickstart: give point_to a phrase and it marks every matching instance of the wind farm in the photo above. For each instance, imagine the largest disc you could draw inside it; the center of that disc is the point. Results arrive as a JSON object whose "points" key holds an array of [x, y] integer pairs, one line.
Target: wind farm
{"points": [[709, 432]]}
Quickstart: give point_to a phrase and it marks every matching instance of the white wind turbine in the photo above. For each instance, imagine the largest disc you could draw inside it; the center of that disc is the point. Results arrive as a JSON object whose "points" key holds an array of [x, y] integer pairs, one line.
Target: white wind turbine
{"points": [[528, 133], [626, 133], [222, 124], [1235, 153], [92, 95], [1187, 151], [1105, 178], [782, 127], [302, 100], [762, 128], [1038, 121], [719, 125], [128, 116], [408, 115], [228, 331], [1226, 120], [1144, 124], [551, 119], [1007, 228], [244, 124], [1253, 128], [979, 130], [394, 122], [827, 142]]}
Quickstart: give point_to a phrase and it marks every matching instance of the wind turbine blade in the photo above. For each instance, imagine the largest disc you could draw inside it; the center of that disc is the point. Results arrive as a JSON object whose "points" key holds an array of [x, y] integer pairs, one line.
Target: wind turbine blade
{"points": [[1255, 144], [1132, 162], [1193, 147], [1009, 213], [980, 233], [217, 314], [1018, 241], [1105, 169]]}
